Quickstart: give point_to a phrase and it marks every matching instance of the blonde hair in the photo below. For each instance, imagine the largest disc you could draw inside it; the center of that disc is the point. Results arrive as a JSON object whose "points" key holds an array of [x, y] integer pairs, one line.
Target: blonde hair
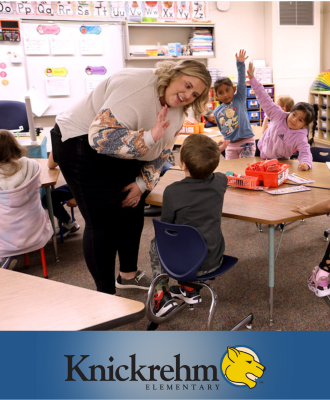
{"points": [[285, 100], [167, 71], [10, 152]]}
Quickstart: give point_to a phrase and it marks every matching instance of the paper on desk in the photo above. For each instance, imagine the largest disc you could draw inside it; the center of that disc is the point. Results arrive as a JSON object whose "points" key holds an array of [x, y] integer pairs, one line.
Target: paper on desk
{"points": [[286, 190], [207, 130], [298, 179], [328, 164]]}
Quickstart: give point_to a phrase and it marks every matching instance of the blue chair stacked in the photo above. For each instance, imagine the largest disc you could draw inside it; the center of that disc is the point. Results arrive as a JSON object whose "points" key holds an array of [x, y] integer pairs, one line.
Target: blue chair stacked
{"points": [[322, 154], [182, 250]]}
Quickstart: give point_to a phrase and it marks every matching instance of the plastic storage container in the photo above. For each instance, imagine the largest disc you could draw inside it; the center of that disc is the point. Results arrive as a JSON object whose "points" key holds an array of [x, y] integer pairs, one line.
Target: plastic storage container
{"points": [[323, 123], [269, 90], [269, 173], [253, 115], [324, 100], [250, 92], [252, 104], [323, 112], [316, 98], [244, 182]]}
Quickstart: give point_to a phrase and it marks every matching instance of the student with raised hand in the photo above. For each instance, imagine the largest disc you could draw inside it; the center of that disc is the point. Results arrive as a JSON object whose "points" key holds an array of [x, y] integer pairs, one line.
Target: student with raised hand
{"points": [[111, 147], [286, 102], [231, 116], [287, 131], [319, 281]]}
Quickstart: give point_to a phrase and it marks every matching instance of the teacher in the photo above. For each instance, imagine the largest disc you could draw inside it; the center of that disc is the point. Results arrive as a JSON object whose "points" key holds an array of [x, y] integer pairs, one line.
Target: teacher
{"points": [[111, 147]]}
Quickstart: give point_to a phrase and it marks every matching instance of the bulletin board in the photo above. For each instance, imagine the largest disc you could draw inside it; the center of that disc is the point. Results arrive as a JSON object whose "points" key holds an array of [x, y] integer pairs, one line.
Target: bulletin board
{"points": [[64, 61]]}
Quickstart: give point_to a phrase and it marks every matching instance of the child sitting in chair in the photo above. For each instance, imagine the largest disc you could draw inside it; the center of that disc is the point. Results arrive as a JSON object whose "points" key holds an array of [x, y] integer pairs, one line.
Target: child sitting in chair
{"points": [[197, 201]]}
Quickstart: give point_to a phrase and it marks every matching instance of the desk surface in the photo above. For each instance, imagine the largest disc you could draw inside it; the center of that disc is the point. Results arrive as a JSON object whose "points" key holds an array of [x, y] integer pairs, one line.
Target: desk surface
{"points": [[23, 139], [257, 130], [32, 303], [250, 205], [320, 173], [48, 176]]}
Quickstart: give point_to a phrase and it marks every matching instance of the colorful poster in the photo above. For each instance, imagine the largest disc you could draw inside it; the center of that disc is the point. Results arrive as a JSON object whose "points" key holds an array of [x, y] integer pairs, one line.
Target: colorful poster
{"points": [[65, 8], [95, 70], [48, 29], [56, 72], [101, 8], [134, 10], [25, 7], [45, 8], [183, 10], [199, 10], [168, 10], [6, 7], [83, 9], [150, 10], [118, 10]]}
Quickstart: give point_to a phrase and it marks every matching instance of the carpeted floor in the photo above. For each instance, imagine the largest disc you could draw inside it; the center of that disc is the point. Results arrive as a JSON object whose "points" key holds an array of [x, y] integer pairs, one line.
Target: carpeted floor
{"points": [[241, 290]]}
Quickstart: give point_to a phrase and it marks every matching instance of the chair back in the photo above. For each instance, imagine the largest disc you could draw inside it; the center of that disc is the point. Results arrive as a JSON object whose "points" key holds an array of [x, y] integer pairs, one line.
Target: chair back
{"points": [[181, 249], [320, 154], [13, 115]]}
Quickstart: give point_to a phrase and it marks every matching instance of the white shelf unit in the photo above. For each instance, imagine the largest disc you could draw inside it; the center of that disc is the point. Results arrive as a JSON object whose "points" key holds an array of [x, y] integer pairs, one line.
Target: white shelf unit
{"points": [[140, 36]]}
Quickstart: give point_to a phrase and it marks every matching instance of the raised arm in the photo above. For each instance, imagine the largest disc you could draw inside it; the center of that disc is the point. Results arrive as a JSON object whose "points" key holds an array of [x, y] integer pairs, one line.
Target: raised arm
{"points": [[273, 111], [241, 82]]}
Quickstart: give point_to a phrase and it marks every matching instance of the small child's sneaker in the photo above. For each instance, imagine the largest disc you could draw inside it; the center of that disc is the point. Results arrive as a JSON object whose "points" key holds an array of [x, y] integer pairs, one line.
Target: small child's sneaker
{"points": [[68, 228], [319, 282], [8, 262], [188, 294], [164, 304]]}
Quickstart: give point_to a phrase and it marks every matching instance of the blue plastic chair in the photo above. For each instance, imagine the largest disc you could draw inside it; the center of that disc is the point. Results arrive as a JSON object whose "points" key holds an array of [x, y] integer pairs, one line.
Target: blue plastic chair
{"points": [[182, 250], [322, 154]]}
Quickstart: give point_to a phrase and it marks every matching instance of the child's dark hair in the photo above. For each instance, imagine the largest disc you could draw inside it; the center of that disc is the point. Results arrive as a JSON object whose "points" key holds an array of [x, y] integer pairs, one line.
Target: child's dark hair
{"points": [[10, 151], [201, 155], [308, 109], [222, 81]]}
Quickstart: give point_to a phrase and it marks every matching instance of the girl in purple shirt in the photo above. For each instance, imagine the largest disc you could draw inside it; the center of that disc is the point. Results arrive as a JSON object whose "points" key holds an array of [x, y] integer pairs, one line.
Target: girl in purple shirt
{"points": [[288, 131]]}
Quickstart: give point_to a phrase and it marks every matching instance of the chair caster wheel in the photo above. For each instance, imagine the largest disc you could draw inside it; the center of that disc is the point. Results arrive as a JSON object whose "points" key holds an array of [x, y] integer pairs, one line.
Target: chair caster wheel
{"points": [[152, 326], [191, 307], [248, 326]]}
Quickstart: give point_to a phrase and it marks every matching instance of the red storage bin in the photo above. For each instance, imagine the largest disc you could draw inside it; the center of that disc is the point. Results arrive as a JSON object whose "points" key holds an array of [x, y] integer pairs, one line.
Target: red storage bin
{"points": [[270, 173], [244, 182]]}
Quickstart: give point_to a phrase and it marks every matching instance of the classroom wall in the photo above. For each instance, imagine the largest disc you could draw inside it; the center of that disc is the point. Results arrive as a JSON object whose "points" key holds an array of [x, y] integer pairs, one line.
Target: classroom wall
{"points": [[325, 35], [296, 55], [241, 27]]}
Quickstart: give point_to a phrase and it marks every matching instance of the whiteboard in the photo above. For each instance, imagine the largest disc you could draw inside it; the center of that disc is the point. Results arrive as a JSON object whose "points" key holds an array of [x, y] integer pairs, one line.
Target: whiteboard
{"points": [[68, 53]]}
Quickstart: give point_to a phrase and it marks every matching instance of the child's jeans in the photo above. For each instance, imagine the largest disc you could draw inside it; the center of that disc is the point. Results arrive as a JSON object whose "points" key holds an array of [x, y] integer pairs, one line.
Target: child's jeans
{"points": [[157, 268], [241, 149]]}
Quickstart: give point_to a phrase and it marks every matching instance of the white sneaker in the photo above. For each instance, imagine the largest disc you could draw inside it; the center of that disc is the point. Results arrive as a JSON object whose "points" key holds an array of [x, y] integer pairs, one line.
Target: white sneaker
{"points": [[68, 228]]}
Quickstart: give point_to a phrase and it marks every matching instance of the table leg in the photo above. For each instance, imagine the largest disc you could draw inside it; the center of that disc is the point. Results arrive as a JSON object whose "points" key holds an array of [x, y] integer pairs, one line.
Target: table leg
{"points": [[271, 270], [51, 217]]}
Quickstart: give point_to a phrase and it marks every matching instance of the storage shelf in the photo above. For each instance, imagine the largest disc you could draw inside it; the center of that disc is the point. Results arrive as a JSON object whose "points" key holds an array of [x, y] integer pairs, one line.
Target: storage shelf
{"points": [[167, 57], [139, 36], [322, 133]]}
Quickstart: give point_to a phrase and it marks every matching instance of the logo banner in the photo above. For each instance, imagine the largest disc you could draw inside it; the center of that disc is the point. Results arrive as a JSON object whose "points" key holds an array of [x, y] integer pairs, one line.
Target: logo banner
{"points": [[163, 365]]}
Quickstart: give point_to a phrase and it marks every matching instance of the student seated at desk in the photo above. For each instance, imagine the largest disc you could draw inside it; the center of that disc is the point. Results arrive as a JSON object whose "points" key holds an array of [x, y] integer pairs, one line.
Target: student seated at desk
{"points": [[25, 225], [210, 120], [287, 132], [60, 194], [197, 201], [319, 281]]}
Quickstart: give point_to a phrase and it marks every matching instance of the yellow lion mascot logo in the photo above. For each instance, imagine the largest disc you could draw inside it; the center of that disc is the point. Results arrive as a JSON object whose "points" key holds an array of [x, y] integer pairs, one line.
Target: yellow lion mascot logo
{"points": [[237, 365]]}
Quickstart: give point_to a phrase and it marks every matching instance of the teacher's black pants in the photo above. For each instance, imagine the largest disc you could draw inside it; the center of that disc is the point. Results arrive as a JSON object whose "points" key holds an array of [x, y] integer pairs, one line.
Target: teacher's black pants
{"points": [[96, 182]]}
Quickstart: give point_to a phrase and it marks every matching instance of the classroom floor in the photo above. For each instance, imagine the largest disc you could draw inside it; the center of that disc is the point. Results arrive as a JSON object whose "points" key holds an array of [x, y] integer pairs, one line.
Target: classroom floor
{"points": [[241, 290]]}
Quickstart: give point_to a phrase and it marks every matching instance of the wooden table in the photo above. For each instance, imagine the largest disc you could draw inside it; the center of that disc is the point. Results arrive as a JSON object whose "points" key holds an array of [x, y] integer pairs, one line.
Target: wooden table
{"points": [[256, 130], [48, 178], [254, 206], [30, 303]]}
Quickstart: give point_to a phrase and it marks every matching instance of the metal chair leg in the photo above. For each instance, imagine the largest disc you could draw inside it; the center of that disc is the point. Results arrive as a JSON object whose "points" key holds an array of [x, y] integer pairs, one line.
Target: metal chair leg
{"points": [[247, 322]]}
